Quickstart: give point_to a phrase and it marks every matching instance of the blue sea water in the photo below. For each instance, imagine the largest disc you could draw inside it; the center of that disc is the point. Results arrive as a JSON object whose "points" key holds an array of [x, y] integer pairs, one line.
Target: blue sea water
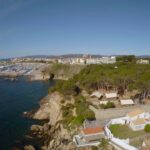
{"points": [[15, 98]]}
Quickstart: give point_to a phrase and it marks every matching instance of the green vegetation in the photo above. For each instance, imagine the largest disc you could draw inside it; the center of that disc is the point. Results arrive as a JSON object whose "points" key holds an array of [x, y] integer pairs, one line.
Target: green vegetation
{"points": [[127, 76], [94, 148], [124, 132], [82, 109], [66, 88], [127, 58], [147, 128], [103, 144], [82, 112], [137, 142], [108, 105]]}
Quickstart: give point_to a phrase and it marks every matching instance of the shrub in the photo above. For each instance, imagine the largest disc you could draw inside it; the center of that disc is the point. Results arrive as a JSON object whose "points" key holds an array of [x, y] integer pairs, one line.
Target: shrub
{"points": [[108, 105], [67, 110], [94, 148], [78, 120], [147, 128], [82, 108]]}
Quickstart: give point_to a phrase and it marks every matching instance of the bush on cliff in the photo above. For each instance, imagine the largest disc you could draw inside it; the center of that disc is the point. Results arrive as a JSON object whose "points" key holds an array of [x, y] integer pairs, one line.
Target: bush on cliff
{"points": [[66, 88], [147, 128], [83, 112], [67, 110], [82, 108]]}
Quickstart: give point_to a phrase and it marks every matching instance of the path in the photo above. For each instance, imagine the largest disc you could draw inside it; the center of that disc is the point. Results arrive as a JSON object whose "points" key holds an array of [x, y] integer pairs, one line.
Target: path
{"points": [[107, 114]]}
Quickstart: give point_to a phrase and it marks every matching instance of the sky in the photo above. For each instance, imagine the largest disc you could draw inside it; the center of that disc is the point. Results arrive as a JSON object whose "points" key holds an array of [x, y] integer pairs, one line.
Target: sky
{"points": [[53, 27]]}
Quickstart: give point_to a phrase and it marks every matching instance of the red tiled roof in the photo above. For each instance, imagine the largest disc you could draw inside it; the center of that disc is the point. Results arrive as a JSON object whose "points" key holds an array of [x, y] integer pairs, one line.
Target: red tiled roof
{"points": [[93, 130]]}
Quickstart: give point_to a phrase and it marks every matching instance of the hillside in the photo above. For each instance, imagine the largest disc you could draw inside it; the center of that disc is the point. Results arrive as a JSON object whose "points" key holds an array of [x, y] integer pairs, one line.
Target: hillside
{"points": [[121, 77]]}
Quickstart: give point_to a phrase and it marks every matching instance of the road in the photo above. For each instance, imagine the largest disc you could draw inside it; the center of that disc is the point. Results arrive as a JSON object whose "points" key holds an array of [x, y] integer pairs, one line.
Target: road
{"points": [[107, 114]]}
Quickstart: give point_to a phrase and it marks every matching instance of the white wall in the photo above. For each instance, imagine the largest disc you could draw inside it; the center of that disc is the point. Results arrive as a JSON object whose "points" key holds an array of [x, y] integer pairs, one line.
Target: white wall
{"points": [[121, 120], [143, 115], [137, 127]]}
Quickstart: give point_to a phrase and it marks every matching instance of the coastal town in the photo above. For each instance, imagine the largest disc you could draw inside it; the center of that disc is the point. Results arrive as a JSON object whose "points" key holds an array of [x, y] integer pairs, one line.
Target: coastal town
{"points": [[32, 66], [102, 112], [75, 75]]}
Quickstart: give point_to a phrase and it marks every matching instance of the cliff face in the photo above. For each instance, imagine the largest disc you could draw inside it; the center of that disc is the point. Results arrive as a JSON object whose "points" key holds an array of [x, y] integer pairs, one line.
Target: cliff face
{"points": [[50, 108], [55, 136], [51, 135]]}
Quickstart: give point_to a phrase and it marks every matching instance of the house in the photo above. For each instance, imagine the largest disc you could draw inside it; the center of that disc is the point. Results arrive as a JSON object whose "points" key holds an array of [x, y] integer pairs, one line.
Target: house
{"points": [[135, 114], [96, 94], [137, 124], [90, 135], [142, 61], [138, 119], [125, 102], [111, 95]]}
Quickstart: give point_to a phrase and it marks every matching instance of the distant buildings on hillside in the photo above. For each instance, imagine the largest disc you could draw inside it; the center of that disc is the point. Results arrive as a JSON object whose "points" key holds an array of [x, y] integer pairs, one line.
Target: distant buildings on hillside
{"points": [[142, 61], [88, 60], [85, 59], [80, 60]]}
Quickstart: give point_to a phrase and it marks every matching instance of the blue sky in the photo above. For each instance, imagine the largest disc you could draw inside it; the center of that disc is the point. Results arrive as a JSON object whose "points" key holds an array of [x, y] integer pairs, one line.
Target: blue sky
{"points": [[32, 27]]}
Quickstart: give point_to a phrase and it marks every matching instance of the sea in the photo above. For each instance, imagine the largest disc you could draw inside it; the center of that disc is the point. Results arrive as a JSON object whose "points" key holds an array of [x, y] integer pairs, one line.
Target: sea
{"points": [[17, 97]]}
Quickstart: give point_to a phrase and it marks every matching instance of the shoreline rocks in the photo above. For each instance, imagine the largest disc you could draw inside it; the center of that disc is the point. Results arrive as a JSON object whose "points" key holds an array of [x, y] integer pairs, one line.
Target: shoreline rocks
{"points": [[50, 108], [51, 135]]}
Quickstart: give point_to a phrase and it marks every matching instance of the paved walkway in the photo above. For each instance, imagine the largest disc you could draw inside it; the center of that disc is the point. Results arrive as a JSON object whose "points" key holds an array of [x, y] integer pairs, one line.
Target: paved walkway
{"points": [[107, 114]]}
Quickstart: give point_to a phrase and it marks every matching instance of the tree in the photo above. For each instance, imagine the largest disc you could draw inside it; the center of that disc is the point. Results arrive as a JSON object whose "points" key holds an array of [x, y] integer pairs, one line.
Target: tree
{"points": [[147, 128], [103, 144], [128, 58]]}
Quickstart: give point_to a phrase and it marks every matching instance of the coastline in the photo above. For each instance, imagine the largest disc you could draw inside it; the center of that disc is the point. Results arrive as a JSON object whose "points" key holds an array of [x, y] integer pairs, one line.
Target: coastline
{"points": [[18, 96], [35, 77], [51, 133]]}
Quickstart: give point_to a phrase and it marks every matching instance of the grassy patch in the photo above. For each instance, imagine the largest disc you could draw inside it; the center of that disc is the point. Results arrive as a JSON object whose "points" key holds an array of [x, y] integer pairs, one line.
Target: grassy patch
{"points": [[124, 132]]}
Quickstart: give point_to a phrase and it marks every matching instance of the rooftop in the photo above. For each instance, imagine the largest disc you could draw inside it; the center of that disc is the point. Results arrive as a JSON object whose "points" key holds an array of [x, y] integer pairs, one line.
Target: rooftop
{"points": [[138, 121], [111, 95], [96, 94], [93, 130], [135, 112], [126, 102]]}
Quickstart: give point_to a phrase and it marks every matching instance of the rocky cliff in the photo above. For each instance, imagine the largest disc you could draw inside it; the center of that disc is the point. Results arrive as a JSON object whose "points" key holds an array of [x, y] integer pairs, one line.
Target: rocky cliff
{"points": [[54, 136], [50, 108]]}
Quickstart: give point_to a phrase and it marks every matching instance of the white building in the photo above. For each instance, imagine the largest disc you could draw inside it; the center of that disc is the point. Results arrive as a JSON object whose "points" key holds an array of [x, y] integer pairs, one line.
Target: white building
{"points": [[138, 119], [142, 61], [96, 94], [108, 60], [125, 102], [111, 95], [90, 135]]}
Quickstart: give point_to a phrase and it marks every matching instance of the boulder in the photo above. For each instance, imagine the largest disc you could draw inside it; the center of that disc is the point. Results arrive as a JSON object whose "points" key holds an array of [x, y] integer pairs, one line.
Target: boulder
{"points": [[36, 128], [29, 147]]}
